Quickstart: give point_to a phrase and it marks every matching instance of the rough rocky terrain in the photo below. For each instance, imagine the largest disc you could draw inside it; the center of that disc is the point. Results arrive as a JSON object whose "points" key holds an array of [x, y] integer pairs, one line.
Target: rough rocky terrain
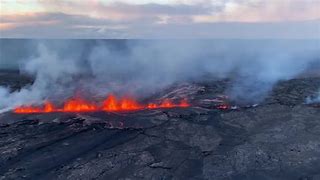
{"points": [[277, 139]]}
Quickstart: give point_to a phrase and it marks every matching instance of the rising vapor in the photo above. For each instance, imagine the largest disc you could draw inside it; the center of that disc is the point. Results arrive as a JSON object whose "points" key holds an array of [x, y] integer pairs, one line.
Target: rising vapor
{"points": [[93, 68]]}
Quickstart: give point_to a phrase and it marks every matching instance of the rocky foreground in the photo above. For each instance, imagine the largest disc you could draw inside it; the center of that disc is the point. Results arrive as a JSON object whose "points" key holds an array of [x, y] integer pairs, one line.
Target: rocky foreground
{"points": [[278, 139]]}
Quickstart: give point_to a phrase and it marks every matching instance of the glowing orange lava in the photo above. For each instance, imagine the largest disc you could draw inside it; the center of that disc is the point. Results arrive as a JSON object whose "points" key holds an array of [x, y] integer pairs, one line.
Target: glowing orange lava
{"points": [[111, 103], [27, 110], [223, 107], [79, 105], [48, 107], [125, 104], [184, 103]]}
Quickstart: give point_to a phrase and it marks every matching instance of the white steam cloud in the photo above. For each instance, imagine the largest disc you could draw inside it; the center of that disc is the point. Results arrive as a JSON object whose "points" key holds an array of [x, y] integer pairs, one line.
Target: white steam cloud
{"points": [[63, 68]]}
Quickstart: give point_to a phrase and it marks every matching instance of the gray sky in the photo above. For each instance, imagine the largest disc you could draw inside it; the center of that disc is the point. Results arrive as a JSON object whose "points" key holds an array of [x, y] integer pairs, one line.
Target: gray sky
{"points": [[160, 19]]}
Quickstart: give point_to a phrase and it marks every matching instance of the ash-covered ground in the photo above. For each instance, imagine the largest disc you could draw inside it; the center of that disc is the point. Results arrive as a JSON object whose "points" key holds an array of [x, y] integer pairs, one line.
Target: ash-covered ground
{"points": [[276, 139]]}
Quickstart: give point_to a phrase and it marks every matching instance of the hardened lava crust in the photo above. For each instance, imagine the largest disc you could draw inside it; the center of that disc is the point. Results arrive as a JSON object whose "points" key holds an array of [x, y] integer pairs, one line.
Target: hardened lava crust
{"points": [[212, 139]]}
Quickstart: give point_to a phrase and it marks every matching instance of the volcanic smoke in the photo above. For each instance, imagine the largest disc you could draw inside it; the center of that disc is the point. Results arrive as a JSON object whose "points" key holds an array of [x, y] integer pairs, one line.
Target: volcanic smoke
{"points": [[110, 104], [144, 68]]}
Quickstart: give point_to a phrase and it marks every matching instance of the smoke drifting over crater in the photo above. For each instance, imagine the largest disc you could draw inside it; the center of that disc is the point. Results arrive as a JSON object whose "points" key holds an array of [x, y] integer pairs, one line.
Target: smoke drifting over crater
{"points": [[94, 68]]}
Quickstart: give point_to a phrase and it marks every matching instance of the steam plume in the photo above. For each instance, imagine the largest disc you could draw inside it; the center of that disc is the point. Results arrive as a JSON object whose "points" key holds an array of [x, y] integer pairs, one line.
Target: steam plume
{"points": [[63, 68]]}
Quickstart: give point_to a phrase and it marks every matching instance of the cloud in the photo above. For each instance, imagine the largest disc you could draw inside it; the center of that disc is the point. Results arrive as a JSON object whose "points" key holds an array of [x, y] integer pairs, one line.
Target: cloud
{"points": [[120, 10], [154, 19], [77, 27], [58, 17], [264, 11]]}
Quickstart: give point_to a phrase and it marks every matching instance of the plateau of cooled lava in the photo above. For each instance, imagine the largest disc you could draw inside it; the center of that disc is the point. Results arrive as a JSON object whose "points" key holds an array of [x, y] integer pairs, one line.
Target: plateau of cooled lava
{"points": [[205, 135]]}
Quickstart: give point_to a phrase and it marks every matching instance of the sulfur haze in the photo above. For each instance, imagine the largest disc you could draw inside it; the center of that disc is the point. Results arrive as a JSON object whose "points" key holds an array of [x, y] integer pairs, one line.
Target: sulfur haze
{"points": [[93, 68]]}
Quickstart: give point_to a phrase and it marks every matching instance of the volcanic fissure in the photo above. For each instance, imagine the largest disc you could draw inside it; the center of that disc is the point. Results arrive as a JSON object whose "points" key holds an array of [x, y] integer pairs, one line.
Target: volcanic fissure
{"points": [[110, 103]]}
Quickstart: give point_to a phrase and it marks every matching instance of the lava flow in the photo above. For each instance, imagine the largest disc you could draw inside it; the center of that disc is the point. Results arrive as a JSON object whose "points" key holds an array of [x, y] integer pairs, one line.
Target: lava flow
{"points": [[111, 103]]}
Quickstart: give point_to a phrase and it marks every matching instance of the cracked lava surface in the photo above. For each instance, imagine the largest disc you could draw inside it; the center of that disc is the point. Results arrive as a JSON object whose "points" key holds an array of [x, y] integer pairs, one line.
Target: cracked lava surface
{"points": [[267, 141]]}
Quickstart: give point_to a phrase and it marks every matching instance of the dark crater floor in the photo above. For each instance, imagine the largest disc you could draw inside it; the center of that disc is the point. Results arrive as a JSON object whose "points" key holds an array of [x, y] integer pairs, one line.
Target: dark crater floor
{"points": [[277, 139]]}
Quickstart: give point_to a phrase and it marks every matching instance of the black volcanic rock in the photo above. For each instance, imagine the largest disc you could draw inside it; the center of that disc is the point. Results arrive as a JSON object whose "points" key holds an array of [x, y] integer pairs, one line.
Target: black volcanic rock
{"points": [[278, 139]]}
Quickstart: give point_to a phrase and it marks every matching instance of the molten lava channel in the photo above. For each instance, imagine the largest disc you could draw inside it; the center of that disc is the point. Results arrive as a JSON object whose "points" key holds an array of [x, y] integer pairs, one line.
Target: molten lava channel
{"points": [[111, 103]]}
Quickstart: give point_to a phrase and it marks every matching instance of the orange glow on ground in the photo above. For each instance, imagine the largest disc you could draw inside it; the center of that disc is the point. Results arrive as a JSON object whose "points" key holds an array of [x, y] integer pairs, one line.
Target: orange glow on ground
{"points": [[78, 105], [111, 103]]}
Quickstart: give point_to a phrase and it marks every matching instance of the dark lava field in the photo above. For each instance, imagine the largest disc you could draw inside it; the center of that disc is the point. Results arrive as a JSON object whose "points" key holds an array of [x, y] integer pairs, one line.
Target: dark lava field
{"points": [[276, 139]]}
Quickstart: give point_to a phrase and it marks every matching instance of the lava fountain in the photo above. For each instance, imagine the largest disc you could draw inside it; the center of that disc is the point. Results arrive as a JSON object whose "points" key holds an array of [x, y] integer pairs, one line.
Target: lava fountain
{"points": [[111, 103]]}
